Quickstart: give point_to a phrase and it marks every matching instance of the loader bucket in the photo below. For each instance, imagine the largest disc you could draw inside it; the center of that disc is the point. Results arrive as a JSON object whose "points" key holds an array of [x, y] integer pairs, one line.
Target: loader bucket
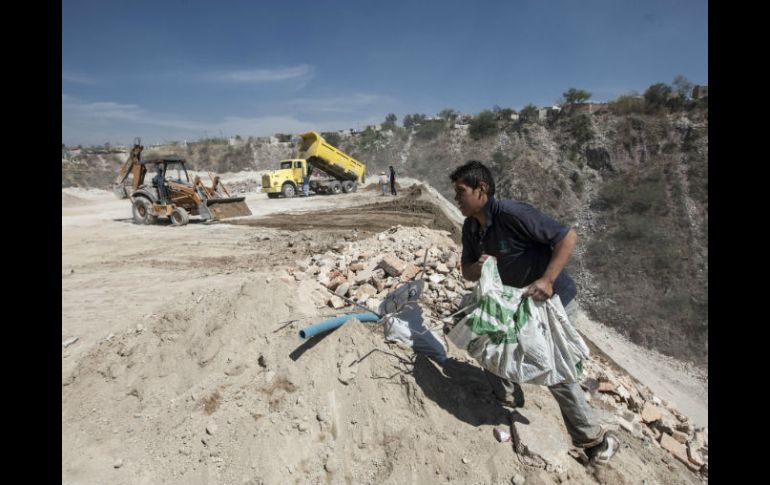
{"points": [[225, 208]]}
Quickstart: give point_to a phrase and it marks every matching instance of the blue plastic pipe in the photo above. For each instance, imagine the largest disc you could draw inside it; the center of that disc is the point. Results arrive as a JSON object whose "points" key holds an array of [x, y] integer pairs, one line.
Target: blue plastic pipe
{"points": [[334, 323]]}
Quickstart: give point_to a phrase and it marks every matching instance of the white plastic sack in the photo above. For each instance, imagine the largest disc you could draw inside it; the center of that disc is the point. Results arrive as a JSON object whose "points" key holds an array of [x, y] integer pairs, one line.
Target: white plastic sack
{"points": [[404, 322], [517, 338]]}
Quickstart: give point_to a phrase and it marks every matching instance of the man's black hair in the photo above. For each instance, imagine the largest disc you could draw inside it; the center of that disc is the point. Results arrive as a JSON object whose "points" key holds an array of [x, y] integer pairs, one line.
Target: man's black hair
{"points": [[472, 173]]}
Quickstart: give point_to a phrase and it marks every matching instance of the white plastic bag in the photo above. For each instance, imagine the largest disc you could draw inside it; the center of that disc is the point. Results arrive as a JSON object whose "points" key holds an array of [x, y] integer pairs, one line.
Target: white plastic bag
{"points": [[516, 337], [404, 322]]}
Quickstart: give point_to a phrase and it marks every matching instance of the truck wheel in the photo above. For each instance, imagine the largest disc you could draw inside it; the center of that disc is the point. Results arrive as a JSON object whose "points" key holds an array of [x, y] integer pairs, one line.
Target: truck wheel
{"points": [[347, 186], [272, 195], [336, 187], [288, 190], [142, 211], [179, 217]]}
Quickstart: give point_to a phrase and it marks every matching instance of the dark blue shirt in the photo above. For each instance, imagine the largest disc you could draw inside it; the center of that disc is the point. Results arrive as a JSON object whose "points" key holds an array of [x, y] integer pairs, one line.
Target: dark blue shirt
{"points": [[521, 238]]}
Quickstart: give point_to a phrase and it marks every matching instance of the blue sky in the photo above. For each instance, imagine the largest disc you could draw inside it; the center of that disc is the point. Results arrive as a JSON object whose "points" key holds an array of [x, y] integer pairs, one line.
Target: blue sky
{"points": [[168, 70]]}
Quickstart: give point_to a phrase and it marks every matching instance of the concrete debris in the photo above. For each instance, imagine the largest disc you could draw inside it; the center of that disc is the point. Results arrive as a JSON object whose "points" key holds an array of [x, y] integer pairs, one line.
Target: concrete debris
{"points": [[502, 435], [69, 342], [678, 450], [606, 386], [679, 436], [342, 290], [392, 265], [623, 392], [410, 271], [650, 413], [336, 302], [694, 456]]}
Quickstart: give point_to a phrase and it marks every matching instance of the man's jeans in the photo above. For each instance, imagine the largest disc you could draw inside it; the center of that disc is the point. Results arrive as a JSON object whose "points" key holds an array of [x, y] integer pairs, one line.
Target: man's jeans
{"points": [[575, 410]]}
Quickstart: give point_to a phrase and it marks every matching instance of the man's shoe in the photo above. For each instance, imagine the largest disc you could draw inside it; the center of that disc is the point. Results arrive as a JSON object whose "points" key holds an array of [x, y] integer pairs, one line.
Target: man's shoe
{"points": [[601, 453]]}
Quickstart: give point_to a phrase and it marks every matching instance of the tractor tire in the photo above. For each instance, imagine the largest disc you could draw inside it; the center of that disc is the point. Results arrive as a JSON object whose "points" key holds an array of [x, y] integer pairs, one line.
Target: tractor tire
{"points": [[272, 195], [335, 187], [288, 190], [179, 217], [142, 211], [347, 186]]}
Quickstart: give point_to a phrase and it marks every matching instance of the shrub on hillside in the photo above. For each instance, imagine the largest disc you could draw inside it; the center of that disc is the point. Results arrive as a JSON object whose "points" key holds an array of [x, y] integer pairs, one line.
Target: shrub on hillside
{"points": [[627, 104], [283, 137], [528, 114], [483, 125], [410, 121], [575, 96], [390, 122], [332, 137], [581, 130], [656, 97], [430, 129]]}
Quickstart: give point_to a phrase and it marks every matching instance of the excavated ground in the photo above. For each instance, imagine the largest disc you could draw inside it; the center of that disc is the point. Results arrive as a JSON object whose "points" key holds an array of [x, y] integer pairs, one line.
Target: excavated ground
{"points": [[365, 220]]}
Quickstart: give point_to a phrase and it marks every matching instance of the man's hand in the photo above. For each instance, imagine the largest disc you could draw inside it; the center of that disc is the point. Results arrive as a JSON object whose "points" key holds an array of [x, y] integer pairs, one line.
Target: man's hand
{"points": [[540, 290]]}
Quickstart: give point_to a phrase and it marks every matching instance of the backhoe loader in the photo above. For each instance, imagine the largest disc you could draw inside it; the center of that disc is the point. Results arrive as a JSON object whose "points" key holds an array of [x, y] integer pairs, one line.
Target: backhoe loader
{"points": [[172, 194]]}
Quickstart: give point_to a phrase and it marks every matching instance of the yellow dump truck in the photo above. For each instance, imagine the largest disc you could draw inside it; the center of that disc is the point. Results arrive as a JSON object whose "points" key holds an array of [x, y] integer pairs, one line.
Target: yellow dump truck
{"points": [[330, 171]]}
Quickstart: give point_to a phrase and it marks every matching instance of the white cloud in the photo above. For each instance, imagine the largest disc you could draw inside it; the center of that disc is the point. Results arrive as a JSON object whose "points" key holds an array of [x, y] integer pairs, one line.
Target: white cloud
{"points": [[340, 104], [108, 111], [77, 78], [92, 123], [302, 71]]}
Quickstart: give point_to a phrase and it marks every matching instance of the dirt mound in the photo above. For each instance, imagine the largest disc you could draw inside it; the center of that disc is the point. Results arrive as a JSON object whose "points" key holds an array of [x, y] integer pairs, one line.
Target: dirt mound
{"points": [[415, 208], [69, 200], [197, 391], [199, 364]]}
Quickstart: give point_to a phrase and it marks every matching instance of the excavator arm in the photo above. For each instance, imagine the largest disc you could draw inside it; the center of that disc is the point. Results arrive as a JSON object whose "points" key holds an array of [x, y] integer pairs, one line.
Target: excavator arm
{"points": [[134, 157]]}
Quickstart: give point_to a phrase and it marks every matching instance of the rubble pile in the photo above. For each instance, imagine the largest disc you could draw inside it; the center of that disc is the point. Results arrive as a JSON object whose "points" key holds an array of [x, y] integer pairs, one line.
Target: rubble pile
{"points": [[646, 416], [366, 271]]}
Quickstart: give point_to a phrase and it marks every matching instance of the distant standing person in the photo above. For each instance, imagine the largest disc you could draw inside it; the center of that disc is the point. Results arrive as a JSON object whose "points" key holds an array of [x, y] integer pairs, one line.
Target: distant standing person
{"points": [[306, 181], [392, 180], [384, 183]]}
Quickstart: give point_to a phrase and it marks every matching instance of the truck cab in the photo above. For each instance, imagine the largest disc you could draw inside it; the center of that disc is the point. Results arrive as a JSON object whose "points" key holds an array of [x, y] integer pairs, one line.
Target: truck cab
{"points": [[287, 180]]}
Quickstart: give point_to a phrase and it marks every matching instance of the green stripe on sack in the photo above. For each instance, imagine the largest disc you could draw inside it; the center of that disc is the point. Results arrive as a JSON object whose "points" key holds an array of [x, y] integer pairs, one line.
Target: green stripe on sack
{"points": [[498, 322], [522, 314]]}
